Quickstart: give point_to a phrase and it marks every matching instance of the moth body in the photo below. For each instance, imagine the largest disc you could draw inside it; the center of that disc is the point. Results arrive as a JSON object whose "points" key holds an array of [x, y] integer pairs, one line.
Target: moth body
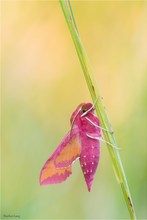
{"points": [[80, 142]]}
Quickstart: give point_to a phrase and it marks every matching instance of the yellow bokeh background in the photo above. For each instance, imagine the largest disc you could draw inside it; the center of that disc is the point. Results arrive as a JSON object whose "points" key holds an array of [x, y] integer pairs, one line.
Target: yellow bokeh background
{"points": [[42, 84]]}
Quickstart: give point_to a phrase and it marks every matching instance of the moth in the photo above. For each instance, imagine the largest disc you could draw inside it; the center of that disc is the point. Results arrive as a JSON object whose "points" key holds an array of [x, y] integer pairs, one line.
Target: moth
{"points": [[81, 142]]}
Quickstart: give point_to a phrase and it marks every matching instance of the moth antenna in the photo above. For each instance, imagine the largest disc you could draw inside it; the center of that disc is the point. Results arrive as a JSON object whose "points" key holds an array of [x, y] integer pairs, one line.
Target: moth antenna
{"points": [[103, 140], [111, 132], [95, 102], [74, 121]]}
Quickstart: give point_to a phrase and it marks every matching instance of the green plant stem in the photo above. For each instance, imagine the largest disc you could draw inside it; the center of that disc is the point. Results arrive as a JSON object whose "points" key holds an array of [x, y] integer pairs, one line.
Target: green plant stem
{"points": [[100, 109]]}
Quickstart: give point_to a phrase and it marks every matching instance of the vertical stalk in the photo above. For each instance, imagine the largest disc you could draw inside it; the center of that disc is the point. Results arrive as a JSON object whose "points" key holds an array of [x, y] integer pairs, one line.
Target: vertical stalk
{"points": [[100, 109]]}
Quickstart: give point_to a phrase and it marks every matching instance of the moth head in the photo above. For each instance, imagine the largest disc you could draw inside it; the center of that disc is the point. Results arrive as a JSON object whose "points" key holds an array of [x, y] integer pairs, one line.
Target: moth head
{"points": [[87, 107], [82, 110]]}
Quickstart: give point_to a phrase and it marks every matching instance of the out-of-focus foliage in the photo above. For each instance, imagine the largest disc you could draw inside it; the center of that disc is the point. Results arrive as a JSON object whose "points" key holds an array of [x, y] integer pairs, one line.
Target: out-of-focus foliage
{"points": [[43, 83]]}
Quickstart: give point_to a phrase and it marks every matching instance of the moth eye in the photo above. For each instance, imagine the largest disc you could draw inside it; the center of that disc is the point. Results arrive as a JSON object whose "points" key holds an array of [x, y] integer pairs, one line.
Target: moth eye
{"points": [[84, 108]]}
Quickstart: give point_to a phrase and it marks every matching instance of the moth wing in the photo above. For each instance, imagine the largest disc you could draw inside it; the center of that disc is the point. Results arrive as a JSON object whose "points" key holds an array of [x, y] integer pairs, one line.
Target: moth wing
{"points": [[58, 167], [70, 152]]}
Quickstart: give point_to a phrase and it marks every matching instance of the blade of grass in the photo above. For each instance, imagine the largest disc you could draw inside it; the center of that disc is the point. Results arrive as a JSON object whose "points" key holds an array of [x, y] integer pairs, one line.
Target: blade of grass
{"points": [[100, 109]]}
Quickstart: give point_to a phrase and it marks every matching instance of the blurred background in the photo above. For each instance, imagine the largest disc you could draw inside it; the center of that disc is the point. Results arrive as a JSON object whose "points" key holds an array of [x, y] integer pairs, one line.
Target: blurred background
{"points": [[42, 84]]}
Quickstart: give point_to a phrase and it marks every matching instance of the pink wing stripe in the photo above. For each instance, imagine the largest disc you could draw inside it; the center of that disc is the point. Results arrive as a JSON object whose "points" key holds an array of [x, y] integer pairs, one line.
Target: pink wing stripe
{"points": [[66, 163], [56, 178]]}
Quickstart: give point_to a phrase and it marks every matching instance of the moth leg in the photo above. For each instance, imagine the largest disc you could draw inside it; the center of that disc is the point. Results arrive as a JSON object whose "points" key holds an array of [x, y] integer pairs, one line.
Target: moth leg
{"points": [[91, 122], [103, 140]]}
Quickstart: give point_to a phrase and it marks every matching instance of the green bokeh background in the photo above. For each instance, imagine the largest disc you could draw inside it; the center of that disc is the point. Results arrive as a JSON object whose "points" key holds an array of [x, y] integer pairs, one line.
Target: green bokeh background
{"points": [[43, 83]]}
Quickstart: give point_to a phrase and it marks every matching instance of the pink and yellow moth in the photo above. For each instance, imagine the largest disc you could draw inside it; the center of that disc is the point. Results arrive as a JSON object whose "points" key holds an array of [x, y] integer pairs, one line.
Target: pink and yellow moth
{"points": [[81, 142]]}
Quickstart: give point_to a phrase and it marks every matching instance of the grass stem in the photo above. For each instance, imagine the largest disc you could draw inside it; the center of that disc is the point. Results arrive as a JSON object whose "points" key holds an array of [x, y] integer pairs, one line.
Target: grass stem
{"points": [[100, 109]]}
